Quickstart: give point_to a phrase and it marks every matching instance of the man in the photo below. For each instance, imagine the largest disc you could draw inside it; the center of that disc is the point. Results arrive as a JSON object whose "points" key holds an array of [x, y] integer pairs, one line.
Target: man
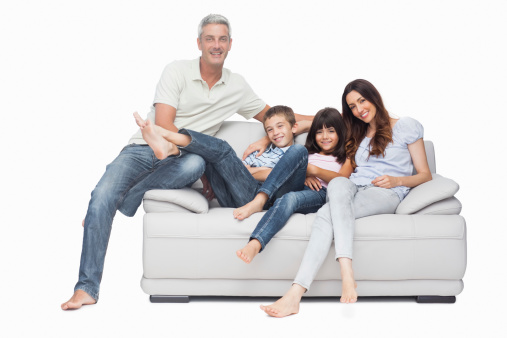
{"points": [[197, 94]]}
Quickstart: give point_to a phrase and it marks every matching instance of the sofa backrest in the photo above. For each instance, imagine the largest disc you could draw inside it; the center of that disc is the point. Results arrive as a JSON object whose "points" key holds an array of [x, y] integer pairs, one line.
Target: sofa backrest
{"points": [[240, 134]]}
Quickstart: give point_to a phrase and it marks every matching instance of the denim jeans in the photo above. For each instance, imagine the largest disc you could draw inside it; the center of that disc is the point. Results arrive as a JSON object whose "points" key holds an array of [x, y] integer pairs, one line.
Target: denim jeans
{"points": [[304, 202], [231, 181], [122, 187], [346, 202]]}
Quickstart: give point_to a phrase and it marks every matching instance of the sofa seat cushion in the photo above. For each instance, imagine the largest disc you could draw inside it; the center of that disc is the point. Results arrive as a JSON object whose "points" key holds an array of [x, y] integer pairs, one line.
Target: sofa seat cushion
{"points": [[386, 247]]}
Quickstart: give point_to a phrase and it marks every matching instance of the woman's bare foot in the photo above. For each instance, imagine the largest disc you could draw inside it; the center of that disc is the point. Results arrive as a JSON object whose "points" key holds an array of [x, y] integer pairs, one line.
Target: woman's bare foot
{"points": [[255, 205], [248, 253], [160, 146], [78, 299], [288, 304], [349, 294], [349, 285]]}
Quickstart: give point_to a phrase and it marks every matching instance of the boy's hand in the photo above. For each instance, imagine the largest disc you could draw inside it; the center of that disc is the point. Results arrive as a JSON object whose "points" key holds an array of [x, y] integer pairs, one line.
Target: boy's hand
{"points": [[260, 145], [207, 191], [313, 183]]}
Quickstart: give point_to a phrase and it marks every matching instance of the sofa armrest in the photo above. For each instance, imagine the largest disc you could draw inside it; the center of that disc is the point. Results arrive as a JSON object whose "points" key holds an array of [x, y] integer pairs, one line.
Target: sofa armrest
{"points": [[438, 189], [179, 200]]}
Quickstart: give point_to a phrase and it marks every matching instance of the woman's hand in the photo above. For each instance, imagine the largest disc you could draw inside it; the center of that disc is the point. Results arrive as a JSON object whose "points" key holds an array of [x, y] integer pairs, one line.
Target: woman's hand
{"points": [[386, 181], [313, 183]]}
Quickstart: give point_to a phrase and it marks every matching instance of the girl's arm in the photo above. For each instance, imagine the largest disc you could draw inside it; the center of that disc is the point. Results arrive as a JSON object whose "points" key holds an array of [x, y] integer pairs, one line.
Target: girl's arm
{"points": [[418, 154], [328, 175]]}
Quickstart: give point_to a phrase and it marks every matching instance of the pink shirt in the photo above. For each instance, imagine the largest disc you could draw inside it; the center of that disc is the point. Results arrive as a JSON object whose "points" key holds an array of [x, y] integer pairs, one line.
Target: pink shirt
{"points": [[327, 162]]}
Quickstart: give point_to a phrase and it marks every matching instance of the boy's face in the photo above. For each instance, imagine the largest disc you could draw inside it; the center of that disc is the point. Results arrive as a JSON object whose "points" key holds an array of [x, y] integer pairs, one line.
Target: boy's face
{"points": [[279, 131]]}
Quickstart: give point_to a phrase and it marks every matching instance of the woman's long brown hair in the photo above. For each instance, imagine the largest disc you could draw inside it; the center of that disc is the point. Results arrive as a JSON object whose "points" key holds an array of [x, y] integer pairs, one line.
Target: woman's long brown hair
{"points": [[356, 129]]}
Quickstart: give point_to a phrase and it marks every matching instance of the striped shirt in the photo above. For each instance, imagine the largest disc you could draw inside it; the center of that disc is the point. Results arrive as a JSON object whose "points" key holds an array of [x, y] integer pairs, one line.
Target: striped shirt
{"points": [[268, 158]]}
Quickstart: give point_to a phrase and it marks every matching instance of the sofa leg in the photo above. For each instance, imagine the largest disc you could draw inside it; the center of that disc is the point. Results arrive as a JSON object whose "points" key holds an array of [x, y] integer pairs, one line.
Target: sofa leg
{"points": [[169, 299], [436, 299]]}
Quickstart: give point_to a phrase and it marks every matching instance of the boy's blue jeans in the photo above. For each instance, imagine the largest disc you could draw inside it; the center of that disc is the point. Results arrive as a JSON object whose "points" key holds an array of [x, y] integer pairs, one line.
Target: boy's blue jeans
{"points": [[122, 187], [231, 181], [304, 202]]}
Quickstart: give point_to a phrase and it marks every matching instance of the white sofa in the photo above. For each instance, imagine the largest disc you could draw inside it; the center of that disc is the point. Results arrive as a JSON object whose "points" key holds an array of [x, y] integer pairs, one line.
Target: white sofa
{"points": [[190, 245]]}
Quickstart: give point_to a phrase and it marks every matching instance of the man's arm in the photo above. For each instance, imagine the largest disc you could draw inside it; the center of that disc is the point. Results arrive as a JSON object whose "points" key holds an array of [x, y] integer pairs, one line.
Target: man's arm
{"points": [[165, 116], [303, 126]]}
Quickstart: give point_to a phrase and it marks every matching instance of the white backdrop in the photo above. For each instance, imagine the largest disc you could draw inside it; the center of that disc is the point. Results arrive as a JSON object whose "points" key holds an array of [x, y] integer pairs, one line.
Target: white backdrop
{"points": [[72, 73]]}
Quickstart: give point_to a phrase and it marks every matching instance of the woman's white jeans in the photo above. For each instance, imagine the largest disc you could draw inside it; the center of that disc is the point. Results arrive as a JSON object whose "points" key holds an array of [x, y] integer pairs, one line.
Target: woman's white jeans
{"points": [[345, 203]]}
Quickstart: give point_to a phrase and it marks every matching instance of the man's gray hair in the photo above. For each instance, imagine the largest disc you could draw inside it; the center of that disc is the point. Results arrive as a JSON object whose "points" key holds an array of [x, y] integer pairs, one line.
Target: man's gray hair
{"points": [[216, 19]]}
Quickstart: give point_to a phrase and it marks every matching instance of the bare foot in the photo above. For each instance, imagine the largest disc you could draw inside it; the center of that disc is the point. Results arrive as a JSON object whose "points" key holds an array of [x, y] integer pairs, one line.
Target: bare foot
{"points": [[288, 304], [83, 223], [160, 146], [256, 205], [248, 253], [78, 299], [349, 294]]}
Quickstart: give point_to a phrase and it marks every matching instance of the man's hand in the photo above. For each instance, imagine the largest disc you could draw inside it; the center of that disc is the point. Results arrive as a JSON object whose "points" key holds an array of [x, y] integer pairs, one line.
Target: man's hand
{"points": [[386, 181], [207, 191], [313, 183], [260, 145]]}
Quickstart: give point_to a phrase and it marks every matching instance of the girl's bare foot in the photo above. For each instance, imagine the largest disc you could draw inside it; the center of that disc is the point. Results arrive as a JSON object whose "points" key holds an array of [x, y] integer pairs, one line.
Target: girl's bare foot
{"points": [[288, 304], [248, 253], [160, 146], [78, 299], [256, 205]]}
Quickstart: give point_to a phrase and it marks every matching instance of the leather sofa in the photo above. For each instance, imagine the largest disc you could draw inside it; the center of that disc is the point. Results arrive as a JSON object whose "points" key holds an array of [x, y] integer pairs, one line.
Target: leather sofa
{"points": [[189, 245]]}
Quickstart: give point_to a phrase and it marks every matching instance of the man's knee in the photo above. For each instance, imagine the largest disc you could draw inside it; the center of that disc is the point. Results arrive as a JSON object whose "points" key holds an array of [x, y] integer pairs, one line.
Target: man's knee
{"points": [[193, 164]]}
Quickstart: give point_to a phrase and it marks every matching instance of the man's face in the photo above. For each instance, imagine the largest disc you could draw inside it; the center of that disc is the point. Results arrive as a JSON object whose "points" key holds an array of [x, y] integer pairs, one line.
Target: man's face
{"points": [[279, 131], [214, 44]]}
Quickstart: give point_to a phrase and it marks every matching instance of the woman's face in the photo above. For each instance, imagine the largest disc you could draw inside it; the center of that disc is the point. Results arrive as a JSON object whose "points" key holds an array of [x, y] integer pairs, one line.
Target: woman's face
{"points": [[327, 139], [361, 108]]}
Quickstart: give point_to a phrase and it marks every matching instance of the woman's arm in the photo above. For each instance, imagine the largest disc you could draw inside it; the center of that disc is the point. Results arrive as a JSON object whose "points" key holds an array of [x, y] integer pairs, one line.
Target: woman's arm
{"points": [[328, 175], [418, 154]]}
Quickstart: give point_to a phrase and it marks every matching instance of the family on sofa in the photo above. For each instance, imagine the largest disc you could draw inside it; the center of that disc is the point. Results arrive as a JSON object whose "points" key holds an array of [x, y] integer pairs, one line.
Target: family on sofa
{"points": [[355, 164]]}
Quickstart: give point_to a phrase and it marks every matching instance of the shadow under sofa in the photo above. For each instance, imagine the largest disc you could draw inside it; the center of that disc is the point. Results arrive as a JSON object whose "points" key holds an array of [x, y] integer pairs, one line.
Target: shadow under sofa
{"points": [[190, 244]]}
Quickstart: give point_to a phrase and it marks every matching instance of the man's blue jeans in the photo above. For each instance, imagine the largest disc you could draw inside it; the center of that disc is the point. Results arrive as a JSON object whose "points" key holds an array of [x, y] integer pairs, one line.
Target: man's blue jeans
{"points": [[304, 202], [231, 181], [122, 187]]}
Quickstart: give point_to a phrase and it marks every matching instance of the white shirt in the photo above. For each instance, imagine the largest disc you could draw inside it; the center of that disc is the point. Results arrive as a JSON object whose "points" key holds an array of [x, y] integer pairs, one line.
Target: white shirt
{"points": [[197, 107]]}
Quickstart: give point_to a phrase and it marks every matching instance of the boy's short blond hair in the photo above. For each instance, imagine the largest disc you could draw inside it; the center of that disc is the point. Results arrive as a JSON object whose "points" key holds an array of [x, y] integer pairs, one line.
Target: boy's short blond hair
{"points": [[284, 111]]}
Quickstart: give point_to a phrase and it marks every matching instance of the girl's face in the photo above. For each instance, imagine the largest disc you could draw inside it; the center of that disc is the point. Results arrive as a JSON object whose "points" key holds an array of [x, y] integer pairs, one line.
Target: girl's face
{"points": [[326, 139], [361, 108]]}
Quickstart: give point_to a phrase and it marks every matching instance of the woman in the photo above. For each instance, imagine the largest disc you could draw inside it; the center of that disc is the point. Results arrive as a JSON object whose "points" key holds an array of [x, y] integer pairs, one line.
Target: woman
{"points": [[383, 151]]}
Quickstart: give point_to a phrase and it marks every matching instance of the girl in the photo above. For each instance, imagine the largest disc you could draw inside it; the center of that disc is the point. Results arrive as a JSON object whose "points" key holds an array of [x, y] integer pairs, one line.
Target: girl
{"points": [[384, 152], [326, 148]]}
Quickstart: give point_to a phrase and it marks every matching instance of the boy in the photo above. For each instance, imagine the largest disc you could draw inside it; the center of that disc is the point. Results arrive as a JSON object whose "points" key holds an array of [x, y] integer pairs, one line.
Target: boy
{"points": [[238, 184]]}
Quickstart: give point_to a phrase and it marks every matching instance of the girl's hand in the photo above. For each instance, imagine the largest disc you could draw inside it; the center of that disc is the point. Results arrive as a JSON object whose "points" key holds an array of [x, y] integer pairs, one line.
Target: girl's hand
{"points": [[313, 183], [386, 181]]}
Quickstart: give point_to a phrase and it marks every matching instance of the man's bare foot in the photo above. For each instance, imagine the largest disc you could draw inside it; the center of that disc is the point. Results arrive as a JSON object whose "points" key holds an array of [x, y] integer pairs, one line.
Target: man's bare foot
{"points": [[349, 293], [248, 253], [160, 146], [78, 299], [255, 205], [288, 304]]}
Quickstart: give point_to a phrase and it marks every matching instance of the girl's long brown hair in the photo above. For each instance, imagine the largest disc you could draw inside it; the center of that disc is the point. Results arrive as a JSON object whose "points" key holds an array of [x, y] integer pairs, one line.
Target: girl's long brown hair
{"points": [[356, 129]]}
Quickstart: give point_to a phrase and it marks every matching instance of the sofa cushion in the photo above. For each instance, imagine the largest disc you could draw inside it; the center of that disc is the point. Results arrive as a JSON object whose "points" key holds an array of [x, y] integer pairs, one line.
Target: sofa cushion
{"points": [[439, 188], [170, 200]]}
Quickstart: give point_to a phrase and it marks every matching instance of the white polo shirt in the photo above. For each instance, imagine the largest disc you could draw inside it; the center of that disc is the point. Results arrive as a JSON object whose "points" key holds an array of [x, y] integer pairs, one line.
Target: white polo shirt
{"points": [[197, 107]]}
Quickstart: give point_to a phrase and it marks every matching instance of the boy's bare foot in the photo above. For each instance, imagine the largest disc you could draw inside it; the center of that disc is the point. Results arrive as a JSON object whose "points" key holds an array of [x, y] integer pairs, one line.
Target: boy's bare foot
{"points": [[160, 146], [78, 299], [349, 293], [255, 205], [288, 304], [248, 253]]}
